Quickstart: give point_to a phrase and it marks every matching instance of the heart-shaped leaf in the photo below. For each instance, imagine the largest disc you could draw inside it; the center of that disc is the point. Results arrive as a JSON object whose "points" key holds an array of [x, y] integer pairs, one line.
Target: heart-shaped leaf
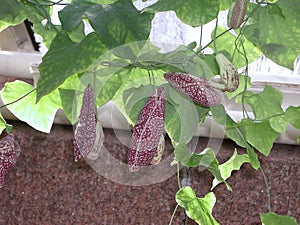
{"points": [[41, 115], [274, 219], [198, 209]]}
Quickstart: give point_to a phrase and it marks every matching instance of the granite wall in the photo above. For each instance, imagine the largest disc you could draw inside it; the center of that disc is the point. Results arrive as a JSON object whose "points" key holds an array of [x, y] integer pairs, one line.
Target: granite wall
{"points": [[48, 187]]}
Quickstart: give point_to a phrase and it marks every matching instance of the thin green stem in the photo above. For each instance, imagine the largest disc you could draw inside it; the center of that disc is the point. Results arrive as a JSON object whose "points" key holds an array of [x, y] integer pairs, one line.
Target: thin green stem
{"points": [[2, 106], [270, 117], [179, 185], [149, 75], [215, 35], [219, 35], [51, 3], [243, 52], [267, 187], [173, 215], [178, 175], [201, 35], [41, 9]]}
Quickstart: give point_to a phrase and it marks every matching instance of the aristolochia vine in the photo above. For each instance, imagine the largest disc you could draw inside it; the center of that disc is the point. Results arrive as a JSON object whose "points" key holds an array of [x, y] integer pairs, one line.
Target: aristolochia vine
{"points": [[146, 144], [119, 59], [9, 153]]}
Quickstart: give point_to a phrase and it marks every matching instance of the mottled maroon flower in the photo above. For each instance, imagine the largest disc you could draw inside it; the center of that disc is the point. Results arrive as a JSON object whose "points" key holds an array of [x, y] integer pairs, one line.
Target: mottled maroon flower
{"points": [[147, 133], [9, 153], [195, 88], [237, 13], [88, 133]]}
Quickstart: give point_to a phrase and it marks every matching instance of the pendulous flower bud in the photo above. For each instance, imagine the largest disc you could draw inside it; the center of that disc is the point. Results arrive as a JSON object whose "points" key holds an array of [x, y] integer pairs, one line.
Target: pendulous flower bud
{"points": [[237, 13], [195, 88], [146, 144], [9, 153], [228, 73], [89, 135]]}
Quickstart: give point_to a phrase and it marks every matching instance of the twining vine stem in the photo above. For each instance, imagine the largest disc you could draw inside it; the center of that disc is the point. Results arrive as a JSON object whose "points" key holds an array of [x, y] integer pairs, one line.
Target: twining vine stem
{"points": [[51, 3], [10, 103], [267, 187], [173, 214], [215, 35], [209, 43], [179, 186]]}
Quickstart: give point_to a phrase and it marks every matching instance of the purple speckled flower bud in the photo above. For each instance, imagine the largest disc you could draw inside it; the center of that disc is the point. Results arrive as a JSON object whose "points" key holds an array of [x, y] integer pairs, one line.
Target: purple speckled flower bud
{"points": [[89, 135], [195, 88], [9, 153], [237, 13], [228, 72], [147, 132]]}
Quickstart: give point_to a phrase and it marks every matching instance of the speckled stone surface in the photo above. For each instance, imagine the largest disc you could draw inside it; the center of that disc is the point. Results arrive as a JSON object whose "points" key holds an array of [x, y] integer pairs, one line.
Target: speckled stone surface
{"points": [[48, 187]]}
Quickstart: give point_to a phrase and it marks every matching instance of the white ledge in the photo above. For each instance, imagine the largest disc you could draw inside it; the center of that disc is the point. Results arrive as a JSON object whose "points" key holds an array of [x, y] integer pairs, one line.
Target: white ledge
{"points": [[19, 64]]}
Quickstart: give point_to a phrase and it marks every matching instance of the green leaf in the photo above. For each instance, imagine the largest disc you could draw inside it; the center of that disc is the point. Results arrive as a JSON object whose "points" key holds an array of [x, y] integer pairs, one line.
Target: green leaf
{"points": [[182, 125], [278, 123], [116, 23], [194, 13], [219, 114], [69, 104], [211, 62], [135, 99], [71, 94], [292, 115], [254, 161], [237, 134], [47, 32], [272, 218], [265, 104], [35, 14], [182, 116], [206, 159], [228, 42], [2, 123], [198, 209], [11, 13], [71, 15], [183, 155], [274, 29], [234, 163], [38, 14], [183, 59], [130, 78], [109, 89], [260, 135], [234, 131], [225, 4], [66, 58], [9, 8], [41, 115], [103, 2]]}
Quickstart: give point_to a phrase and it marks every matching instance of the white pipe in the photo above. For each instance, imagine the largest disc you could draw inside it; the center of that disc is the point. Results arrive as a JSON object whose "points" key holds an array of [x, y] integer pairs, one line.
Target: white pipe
{"points": [[18, 64], [22, 65]]}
